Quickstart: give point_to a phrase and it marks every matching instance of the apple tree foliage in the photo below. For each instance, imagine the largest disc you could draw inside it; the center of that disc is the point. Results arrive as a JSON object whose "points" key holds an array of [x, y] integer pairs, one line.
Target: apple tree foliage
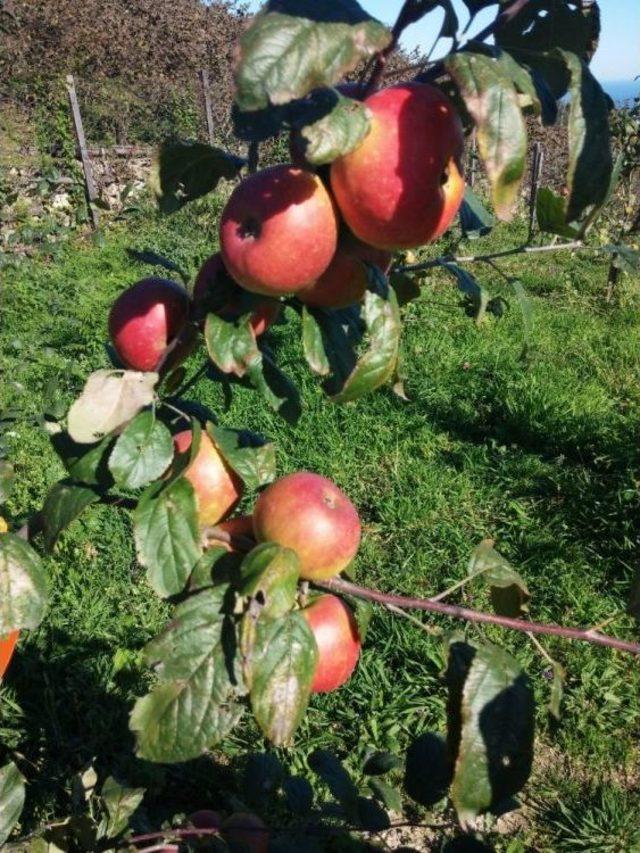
{"points": [[236, 642]]}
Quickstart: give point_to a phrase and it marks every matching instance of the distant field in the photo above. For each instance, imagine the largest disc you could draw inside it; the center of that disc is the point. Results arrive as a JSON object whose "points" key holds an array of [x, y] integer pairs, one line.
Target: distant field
{"points": [[539, 452]]}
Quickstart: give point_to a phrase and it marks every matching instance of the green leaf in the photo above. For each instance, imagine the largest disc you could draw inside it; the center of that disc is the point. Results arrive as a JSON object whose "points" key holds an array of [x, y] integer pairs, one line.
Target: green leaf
{"points": [[491, 100], [294, 46], [121, 803], [491, 727], [370, 815], [551, 214], [363, 611], [525, 309], [7, 476], [263, 775], [336, 778], [282, 670], [63, 504], [183, 171], [590, 159], [252, 458], [142, 453], [477, 295], [148, 256], [276, 388], [380, 763], [12, 793], [194, 706], [85, 463], [338, 132], [110, 399], [313, 344], [633, 607], [378, 364], [475, 219], [165, 526], [231, 346], [386, 794], [271, 573], [509, 593], [23, 586]]}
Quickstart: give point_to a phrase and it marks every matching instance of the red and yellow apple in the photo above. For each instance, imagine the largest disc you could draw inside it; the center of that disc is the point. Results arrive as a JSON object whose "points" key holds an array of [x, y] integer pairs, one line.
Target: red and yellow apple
{"points": [[145, 319], [217, 487], [312, 516], [278, 231], [7, 648], [403, 185], [345, 280], [336, 634], [216, 291]]}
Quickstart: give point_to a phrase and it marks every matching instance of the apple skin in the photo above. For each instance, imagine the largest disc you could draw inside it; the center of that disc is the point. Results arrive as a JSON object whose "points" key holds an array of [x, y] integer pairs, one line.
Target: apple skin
{"points": [[7, 648], [344, 282], [278, 231], [215, 289], [403, 185], [205, 819], [336, 633], [241, 833], [312, 516], [144, 319], [218, 489]]}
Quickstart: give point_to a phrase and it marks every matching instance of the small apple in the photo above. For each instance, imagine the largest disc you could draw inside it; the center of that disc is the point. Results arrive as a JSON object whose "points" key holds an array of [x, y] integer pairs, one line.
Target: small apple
{"points": [[312, 516], [7, 648], [336, 633], [218, 488], [245, 833], [214, 290], [403, 185], [278, 231], [145, 319], [344, 282]]}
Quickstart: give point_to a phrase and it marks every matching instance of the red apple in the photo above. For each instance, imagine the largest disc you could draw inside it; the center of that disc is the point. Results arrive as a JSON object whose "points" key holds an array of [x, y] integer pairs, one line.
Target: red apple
{"points": [[218, 488], [309, 514], [145, 319], [7, 648], [403, 185], [336, 633], [245, 833], [345, 280], [216, 291], [205, 819], [278, 231]]}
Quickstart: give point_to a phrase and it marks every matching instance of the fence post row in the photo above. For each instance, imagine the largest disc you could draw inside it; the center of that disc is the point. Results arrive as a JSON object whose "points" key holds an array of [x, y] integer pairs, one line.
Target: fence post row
{"points": [[91, 190]]}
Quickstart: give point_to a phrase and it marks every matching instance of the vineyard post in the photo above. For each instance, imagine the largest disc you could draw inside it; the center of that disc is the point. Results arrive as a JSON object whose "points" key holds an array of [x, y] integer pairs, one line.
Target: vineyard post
{"points": [[91, 191], [203, 76]]}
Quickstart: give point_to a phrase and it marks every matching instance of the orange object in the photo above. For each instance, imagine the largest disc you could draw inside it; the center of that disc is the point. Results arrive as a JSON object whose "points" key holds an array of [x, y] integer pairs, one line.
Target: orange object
{"points": [[7, 647]]}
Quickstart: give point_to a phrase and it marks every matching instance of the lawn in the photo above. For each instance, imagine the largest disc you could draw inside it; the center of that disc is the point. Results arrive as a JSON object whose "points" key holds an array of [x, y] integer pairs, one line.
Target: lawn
{"points": [[537, 450]]}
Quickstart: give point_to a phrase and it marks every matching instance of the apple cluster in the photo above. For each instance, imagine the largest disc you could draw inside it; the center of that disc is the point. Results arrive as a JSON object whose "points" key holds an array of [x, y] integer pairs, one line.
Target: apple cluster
{"points": [[290, 230]]}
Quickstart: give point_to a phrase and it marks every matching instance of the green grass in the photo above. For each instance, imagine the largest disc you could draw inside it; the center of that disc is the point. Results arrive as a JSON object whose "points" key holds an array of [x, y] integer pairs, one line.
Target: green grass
{"points": [[538, 452]]}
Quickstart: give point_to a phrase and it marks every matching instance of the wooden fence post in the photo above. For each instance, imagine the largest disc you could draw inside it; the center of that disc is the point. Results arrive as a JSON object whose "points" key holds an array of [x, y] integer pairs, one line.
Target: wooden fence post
{"points": [[91, 190], [536, 173], [203, 74]]}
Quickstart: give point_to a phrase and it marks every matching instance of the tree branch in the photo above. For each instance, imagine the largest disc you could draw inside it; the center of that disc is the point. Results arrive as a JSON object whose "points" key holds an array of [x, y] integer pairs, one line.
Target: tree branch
{"points": [[505, 253], [411, 11], [456, 612]]}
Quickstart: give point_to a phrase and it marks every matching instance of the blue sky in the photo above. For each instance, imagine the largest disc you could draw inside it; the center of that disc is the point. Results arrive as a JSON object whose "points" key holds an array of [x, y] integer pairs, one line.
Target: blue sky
{"points": [[617, 58]]}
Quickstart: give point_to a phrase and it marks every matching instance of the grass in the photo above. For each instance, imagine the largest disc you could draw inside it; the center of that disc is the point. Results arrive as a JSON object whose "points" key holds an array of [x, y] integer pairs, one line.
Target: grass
{"points": [[538, 452]]}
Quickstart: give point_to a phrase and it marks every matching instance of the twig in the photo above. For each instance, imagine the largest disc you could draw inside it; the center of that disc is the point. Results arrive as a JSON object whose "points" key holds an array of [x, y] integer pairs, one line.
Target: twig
{"points": [[505, 253], [411, 11], [417, 622], [503, 18], [457, 612]]}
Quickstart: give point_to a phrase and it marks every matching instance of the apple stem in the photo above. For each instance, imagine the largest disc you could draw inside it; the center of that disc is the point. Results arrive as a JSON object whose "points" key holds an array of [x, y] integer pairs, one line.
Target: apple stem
{"points": [[588, 635]]}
